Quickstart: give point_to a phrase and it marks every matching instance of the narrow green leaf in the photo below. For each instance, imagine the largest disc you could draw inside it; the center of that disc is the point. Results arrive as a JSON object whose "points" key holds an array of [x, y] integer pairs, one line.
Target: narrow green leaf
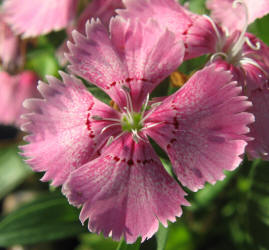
{"points": [[161, 237], [258, 205], [12, 170], [124, 246], [48, 218]]}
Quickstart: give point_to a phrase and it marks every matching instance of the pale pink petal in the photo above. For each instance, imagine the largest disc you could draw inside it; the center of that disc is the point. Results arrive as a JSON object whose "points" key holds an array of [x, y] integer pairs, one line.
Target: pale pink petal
{"points": [[9, 44], [137, 56], [125, 192], [103, 9], [259, 147], [235, 18], [196, 31], [13, 91], [34, 18], [202, 127], [63, 133]]}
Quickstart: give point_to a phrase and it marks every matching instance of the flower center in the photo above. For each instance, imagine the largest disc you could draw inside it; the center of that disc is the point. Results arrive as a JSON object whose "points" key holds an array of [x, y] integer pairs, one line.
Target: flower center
{"points": [[234, 53], [131, 122]]}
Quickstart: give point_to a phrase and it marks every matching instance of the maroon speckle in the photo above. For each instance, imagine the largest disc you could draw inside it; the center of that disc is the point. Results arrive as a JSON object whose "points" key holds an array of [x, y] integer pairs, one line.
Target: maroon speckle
{"points": [[138, 161], [197, 172], [130, 162], [116, 158], [173, 140], [113, 84], [129, 79], [168, 146], [175, 122]]}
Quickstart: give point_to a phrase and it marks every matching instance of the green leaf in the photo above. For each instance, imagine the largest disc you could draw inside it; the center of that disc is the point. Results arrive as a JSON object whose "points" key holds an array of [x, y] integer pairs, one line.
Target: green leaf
{"points": [[258, 205], [205, 196], [43, 62], [12, 170], [124, 246], [161, 237], [48, 218]]}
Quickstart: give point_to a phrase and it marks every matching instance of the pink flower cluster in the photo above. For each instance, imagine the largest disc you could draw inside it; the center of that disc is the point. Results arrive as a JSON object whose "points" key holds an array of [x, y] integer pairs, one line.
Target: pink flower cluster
{"points": [[102, 156]]}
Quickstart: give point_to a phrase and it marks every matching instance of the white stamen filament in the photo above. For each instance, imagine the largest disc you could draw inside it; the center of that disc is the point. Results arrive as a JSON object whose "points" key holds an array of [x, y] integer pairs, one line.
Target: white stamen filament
{"points": [[129, 103], [215, 55], [112, 138], [99, 118], [241, 40], [108, 126], [153, 107], [247, 60], [145, 105], [257, 46], [220, 40]]}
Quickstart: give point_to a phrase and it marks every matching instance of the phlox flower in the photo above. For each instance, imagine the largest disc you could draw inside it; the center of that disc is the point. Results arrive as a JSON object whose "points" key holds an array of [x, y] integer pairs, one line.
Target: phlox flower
{"points": [[248, 59], [103, 156], [13, 91], [195, 30], [34, 18]]}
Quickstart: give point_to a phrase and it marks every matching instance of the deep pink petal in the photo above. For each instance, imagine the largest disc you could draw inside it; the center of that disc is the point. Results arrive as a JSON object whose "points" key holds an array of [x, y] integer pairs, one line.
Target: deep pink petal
{"points": [[259, 147], [13, 91], [196, 31], [234, 18], [63, 133], [202, 127], [33, 18], [125, 192], [138, 56]]}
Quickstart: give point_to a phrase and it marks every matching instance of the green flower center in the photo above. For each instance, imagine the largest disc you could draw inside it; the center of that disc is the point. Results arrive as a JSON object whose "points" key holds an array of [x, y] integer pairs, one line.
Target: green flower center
{"points": [[131, 122]]}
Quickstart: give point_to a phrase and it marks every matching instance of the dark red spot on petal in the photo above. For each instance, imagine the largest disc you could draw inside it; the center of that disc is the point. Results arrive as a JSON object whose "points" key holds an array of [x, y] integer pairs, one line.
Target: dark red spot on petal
{"points": [[130, 162], [116, 158]]}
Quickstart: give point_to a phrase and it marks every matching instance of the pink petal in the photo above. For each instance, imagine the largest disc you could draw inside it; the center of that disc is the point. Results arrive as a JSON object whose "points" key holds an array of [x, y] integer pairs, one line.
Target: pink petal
{"points": [[196, 31], [33, 18], [13, 91], [202, 127], [137, 56], [234, 18], [64, 134], [259, 147], [103, 9], [125, 192], [8, 44]]}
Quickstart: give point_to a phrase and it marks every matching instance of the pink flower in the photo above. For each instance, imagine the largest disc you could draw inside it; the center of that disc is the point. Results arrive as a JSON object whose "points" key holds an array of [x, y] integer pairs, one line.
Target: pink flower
{"points": [[195, 30], [9, 44], [248, 59], [223, 12], [103, 156], [34, 18], [13, 91]]}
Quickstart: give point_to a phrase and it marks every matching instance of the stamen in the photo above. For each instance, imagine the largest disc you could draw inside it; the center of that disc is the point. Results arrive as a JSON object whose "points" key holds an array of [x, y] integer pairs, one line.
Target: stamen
{"points": [[257, 45], [151, 125], [241, 40], [126, 92], [145, 105], [153, 108], [247, 60], [216, 31], [108, 126], [112, 139], [136, 136], [99, 118], [215, 55]]}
